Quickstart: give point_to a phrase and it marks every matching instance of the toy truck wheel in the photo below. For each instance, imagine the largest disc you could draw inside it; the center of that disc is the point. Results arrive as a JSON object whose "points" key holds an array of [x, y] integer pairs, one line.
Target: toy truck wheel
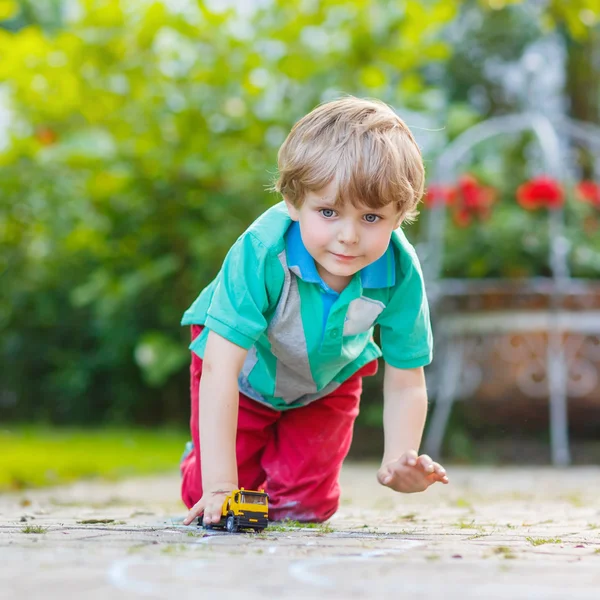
{"points": [[231, 525]]}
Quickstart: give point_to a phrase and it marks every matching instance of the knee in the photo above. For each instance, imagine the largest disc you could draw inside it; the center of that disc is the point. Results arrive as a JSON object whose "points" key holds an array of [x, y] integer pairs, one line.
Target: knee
{"points": [[191, 486]]}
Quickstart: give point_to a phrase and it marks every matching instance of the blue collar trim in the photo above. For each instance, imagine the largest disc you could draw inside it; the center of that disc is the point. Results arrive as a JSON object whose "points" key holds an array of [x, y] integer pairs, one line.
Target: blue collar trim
{"points": [[380, 274]]}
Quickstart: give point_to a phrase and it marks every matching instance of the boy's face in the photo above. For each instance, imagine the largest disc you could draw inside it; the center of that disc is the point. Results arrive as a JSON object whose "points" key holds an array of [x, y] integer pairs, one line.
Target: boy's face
{"points": [[343, 240]]}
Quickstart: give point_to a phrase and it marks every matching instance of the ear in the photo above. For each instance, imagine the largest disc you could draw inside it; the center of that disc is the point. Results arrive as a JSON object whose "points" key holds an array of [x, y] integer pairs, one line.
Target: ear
{"points": [[399, 222], [292, 210]]}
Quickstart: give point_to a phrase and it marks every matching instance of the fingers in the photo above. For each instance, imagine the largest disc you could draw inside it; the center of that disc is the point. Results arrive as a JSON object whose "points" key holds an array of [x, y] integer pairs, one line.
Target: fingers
{"points": [[432, 469], [195, 511], [212, 512], [440, 473], [211, 504], [401, 476], [423, 462], [211, 507], [426, 464], [411, 473], [404, 478], [409, 458], [385, 475]]}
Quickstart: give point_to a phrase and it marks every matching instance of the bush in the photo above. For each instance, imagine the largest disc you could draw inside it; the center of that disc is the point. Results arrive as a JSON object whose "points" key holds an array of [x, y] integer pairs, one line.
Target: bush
{"points": [[141, 143]]}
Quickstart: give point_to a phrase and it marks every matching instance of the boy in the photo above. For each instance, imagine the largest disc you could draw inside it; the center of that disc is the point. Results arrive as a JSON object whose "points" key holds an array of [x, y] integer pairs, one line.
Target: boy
{"points": [[283, 336]]}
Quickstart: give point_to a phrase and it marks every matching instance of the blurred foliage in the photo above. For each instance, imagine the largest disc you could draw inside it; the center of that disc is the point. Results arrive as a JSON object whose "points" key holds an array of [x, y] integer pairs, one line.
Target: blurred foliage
{"points": [[142, 137], [489, 39], [512, 242], [141, 142]]}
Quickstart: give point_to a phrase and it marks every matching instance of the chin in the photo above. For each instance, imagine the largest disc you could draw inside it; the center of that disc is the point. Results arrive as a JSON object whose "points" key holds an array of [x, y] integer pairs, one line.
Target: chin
{"points": [[343, 272]]}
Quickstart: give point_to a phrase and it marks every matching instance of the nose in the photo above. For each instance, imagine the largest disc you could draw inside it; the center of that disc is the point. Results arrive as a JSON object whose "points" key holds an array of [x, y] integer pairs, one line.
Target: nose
{"points": [[348, 232]]}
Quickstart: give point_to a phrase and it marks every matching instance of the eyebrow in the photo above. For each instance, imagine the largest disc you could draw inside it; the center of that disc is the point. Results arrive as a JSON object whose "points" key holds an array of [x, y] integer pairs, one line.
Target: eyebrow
{"points": [[325, 200]]}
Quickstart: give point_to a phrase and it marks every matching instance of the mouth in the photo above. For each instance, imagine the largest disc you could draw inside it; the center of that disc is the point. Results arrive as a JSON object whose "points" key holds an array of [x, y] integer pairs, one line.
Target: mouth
{"points": [[344, 257]]}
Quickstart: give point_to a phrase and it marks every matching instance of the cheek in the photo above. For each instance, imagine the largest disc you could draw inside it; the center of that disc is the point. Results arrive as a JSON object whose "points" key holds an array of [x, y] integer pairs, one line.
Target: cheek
{"points": [[378, 240], [315, 232]]}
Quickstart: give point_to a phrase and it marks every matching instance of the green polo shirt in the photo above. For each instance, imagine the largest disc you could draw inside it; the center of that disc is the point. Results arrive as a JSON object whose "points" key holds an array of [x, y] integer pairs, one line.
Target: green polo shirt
{"points": [[304, 339]]}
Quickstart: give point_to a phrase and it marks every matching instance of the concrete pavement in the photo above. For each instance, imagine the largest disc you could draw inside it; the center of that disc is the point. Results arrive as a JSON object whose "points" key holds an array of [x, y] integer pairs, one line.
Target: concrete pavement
{"points": [[492, 533]]}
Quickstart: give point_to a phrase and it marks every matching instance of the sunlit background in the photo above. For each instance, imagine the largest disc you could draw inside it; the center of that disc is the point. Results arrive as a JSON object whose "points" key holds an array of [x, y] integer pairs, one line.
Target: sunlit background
{"points": [[138, 140]]}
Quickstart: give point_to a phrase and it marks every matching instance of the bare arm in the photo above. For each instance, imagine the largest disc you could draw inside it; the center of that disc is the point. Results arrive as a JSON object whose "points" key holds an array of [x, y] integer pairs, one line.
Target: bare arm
{"points": [[219, 402], [218, 410], [404, 412]]}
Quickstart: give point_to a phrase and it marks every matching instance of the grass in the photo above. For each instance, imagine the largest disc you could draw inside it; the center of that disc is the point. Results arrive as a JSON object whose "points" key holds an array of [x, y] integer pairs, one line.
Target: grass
{"points": [[34, 529], [42, 456], [174, 549], [476, 536], [574, 499], [540, 541], [504, 551], [465, 525], [408, 517], [196, 535], [289, 524], [463, 503], [96, 522]]}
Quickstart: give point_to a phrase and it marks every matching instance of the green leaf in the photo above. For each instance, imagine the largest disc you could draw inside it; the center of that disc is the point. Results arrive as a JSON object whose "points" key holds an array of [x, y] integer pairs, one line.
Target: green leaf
{"points": [[158, 357]]}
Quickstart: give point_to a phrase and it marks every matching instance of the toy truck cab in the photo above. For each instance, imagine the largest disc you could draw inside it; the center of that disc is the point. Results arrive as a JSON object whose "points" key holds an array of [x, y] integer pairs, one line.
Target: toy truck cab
{"points": [[244, 509]]}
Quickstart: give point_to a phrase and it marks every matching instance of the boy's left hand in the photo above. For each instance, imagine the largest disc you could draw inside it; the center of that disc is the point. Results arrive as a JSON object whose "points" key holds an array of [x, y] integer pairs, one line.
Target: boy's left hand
{"points": [[411, 473]]}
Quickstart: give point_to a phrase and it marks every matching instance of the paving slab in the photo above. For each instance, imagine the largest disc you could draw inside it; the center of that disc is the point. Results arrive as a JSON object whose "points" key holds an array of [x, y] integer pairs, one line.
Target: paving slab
{"points": [[492, 533]]}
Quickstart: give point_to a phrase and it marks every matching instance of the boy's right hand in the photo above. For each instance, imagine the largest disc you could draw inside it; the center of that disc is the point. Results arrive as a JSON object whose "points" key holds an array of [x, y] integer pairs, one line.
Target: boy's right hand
{"points": [[211, 503]]}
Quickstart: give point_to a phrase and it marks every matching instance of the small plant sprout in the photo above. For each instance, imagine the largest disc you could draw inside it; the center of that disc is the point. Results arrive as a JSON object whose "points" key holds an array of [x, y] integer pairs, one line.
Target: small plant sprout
{"points": [[34, 529], [541, 541]]}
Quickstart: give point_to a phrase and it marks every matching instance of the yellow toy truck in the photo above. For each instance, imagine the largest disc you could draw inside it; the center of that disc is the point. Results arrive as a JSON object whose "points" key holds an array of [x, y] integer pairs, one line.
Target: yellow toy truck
{"points": [[243, 509]]}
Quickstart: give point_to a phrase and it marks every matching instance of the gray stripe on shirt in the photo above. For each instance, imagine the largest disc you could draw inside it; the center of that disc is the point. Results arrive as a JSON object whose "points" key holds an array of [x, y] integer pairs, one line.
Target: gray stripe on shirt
{"points": [[288, 343]]}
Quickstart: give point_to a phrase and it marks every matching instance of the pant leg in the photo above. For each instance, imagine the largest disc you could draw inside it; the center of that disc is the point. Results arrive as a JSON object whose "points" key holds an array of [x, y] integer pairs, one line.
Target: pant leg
{"points": [[191, 479], [255, 427], [304, 458]]}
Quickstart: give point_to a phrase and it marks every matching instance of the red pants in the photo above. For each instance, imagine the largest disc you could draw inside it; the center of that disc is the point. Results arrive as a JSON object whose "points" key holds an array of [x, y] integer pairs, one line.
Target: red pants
{"points": [[295, 455]]}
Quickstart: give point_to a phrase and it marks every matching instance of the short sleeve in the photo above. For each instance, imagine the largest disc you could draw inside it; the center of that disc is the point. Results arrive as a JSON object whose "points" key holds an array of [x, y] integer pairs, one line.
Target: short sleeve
{"points": [[240, 298], [406, 338]]}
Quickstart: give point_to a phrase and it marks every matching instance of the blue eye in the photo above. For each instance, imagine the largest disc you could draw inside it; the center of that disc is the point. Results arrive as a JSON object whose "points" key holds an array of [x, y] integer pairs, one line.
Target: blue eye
{"points": [[327, 212], [371, 218]]}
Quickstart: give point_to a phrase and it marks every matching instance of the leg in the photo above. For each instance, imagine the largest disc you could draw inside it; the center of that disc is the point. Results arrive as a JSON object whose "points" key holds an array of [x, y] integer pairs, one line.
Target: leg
{"points": [[304, 458], [255, 426]]}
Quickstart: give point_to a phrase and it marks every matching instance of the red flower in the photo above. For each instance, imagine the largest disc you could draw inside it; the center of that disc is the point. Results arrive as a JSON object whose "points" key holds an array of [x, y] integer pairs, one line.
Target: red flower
{"points": [[462, 217], [471, 200], [437, 195], [46, 136], [540, 192], [589, 191]]}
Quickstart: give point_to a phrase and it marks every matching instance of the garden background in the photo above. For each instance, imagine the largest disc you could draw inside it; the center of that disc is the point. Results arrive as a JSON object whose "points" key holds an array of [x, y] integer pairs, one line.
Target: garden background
{"points": [[138, 140]]}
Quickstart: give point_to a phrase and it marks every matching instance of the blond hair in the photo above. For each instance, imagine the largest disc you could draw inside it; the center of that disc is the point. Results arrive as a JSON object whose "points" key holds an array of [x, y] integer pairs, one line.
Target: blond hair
{"points": [[361, 144]]}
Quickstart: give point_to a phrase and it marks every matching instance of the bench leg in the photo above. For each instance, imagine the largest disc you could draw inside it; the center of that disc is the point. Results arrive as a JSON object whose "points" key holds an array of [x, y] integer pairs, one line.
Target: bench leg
{"points": [[557, 384]]}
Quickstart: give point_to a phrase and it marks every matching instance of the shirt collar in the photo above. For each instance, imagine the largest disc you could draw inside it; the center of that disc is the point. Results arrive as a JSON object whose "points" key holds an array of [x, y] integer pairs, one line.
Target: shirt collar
{"points": [[380, 274]]}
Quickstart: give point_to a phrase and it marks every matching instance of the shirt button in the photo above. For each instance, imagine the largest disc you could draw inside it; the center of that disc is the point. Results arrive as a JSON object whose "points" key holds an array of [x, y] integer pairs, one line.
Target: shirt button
{"points": [[334, 333]]}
